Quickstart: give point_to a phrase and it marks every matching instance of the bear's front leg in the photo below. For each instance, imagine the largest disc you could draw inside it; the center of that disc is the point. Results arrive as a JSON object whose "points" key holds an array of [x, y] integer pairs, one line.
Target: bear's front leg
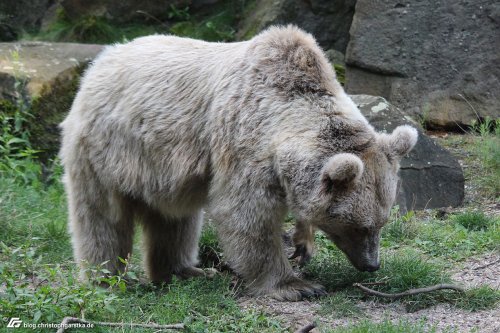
{"points": [[250, 234], [303, 239]]}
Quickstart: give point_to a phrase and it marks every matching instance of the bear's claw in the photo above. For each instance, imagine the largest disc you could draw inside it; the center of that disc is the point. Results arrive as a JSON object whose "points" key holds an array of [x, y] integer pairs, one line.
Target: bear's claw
{"points": [[297, 289], [301, 252]]}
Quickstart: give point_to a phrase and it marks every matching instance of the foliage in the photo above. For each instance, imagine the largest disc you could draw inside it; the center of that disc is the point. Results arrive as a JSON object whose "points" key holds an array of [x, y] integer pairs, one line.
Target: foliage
{"points": [[488, 150], [16, 152], [92, 29]]}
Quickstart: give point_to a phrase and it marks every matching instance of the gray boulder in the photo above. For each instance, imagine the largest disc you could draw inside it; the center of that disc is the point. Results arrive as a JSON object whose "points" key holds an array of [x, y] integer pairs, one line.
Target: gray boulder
{"points": [[17, 16], [430, 176], [327, 20], [437, 59]]}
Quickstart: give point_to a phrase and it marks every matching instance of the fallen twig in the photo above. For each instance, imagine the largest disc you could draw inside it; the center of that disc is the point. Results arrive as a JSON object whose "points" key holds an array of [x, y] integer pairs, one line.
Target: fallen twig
{"points": [[72, 320], [408, 292], [306, 329], [487, 265]]}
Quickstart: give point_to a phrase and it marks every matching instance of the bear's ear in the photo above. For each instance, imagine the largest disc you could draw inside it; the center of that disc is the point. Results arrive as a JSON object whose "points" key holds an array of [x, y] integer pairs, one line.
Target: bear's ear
{"points": [[402, 140], [341, 171]]}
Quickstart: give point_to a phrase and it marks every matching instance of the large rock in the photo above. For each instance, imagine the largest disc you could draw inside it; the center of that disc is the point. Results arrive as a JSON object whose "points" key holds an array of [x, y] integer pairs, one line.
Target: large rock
{"points": [[327, 20], [17, 16], [46, 75], [437, 59], [430, 176]]}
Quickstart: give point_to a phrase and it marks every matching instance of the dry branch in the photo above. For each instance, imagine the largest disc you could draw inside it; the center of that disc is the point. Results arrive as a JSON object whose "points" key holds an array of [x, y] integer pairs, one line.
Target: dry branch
{"points": [[72, 320], [410, 292]]}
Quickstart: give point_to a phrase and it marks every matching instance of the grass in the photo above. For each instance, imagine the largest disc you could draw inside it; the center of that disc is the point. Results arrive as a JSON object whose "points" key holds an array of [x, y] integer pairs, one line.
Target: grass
{"points": [[339, 305], [385, 326]]}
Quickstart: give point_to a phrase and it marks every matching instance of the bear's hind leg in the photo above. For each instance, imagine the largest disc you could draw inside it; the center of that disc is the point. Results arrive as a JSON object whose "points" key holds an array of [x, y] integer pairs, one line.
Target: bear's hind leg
{"points": [[101, 225], [171, 245]]}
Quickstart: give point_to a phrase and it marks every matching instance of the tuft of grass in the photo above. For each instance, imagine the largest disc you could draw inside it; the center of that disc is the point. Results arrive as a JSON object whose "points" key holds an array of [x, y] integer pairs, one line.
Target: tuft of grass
{"points": [[473, 220], [488, 150], [477, 299], [339, 305]]}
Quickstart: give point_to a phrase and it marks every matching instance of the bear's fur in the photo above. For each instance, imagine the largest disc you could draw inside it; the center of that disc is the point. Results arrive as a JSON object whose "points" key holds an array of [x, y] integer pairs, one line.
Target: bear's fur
{"points": [[163, 127]]}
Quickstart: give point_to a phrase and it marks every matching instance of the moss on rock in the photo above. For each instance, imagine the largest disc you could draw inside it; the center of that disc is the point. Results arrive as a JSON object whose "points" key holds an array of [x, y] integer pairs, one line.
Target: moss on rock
{"points": [[49, 110]]}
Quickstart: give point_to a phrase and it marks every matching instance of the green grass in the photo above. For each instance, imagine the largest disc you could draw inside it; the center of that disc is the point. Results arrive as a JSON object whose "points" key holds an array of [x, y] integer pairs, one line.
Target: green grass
{"points": [[385, 326]]}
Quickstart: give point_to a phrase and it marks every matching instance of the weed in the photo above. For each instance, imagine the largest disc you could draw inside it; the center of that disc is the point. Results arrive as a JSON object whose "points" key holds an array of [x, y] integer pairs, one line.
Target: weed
{"points": [[473, 220]]}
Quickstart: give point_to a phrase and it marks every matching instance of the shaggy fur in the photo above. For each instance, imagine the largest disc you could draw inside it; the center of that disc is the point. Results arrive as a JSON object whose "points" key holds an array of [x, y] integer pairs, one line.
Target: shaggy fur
{"points": [[165, 126]]}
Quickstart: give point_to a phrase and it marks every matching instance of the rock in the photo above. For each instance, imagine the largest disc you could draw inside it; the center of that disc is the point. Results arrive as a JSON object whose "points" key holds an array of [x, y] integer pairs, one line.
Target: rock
{"points": [[40, 63], [430, 176], [435, 59], [327, 20], [46, 74], [335, 57], [17, 16]]}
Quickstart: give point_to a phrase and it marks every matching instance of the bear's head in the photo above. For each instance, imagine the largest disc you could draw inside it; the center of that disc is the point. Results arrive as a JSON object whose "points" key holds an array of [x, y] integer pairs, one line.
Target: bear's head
{"points": [[353, 193]]}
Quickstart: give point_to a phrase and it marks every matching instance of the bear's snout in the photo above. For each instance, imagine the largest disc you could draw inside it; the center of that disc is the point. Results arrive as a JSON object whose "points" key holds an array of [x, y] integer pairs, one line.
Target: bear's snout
{"points": [[371, 267]]}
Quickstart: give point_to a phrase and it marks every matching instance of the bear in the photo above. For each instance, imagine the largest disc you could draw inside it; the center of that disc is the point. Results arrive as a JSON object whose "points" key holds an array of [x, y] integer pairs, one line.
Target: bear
{"points": [[165, 128]]}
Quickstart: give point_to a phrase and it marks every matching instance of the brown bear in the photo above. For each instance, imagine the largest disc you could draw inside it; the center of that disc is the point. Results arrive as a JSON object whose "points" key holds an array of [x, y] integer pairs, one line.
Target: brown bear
{"points": [[164, 127]]}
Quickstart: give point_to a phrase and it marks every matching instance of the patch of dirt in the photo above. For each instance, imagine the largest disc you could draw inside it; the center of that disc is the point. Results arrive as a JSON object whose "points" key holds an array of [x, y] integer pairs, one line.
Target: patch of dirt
{"points": [[443, 316], [484, 270]]}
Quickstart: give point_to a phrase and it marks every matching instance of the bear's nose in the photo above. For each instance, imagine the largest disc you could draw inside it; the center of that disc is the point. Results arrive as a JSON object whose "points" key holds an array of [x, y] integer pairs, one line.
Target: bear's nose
{"points": [[372, 268]]}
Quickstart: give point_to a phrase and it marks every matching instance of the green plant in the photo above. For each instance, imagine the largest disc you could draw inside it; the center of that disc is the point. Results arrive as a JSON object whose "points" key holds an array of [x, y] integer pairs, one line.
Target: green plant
{"points": [[488, 150], [473, 220], [181, 14], [16, 152]]}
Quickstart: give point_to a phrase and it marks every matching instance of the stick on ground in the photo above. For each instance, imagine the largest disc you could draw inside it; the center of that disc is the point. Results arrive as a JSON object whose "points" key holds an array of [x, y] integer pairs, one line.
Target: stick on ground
{"points": [[72, 320], [410, 292]]}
